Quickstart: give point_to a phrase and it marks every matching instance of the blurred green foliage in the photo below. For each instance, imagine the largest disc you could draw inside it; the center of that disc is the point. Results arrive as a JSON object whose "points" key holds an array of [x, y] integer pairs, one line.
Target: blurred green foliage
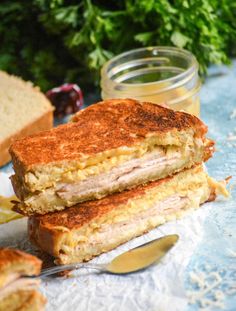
{"points": [[52, 41]]}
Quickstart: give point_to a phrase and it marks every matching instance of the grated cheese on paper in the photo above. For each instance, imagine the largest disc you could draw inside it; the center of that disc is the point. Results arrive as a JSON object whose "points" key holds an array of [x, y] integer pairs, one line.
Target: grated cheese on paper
{"points": [[210, 287]]}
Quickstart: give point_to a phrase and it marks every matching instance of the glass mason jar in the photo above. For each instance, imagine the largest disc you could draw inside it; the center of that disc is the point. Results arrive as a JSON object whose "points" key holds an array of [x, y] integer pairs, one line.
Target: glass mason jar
{"points": [[162, 75]]}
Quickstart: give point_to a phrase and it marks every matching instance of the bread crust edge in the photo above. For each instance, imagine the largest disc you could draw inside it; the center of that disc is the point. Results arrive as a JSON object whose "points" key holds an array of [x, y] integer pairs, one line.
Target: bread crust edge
{"points": [[44, 122]]}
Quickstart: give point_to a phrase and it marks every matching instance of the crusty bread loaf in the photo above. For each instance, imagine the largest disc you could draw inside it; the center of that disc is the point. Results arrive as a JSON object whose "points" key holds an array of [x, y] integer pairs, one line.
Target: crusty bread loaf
{"points": [[24, 110]]}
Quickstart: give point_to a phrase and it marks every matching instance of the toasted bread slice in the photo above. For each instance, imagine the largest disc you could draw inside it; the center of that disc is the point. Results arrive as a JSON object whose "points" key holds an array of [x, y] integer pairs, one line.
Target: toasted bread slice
{"points": [[15, 262], [24, 110], [111, 146], [17, 292], [88, 229]]}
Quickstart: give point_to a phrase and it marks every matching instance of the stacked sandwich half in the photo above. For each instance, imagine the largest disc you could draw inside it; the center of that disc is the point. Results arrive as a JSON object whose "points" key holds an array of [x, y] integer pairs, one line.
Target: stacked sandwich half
{"points": [[18, 287], [119, 169]]}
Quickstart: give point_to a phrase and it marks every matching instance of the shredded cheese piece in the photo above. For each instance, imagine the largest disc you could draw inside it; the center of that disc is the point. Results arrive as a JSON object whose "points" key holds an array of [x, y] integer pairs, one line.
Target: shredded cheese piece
{"points": [[210, 288]]}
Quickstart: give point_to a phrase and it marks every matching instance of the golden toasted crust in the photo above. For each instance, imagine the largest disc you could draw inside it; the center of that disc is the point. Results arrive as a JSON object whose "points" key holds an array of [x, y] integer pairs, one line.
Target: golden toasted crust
{"points": [[13, 260], [45, 122], [100, 127], [209, 149]]}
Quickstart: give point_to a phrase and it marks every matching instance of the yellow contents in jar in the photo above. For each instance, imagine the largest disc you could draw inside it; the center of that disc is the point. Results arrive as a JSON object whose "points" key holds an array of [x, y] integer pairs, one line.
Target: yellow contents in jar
{"points": [[190, 104], [161, 75]]}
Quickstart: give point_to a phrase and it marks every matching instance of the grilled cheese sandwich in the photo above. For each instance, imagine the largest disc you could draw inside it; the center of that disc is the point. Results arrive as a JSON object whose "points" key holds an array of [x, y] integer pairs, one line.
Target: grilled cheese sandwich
{"points": [[88, 229], [17, 291], [108, 147]]}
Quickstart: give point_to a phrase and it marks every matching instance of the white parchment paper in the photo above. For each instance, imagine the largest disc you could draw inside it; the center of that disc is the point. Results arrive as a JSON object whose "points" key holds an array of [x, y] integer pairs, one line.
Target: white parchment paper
{"points": [[159, 288]]}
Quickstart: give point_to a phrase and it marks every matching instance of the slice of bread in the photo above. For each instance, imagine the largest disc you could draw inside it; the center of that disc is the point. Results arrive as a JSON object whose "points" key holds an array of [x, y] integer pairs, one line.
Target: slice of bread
{"points": [[24, 110]]}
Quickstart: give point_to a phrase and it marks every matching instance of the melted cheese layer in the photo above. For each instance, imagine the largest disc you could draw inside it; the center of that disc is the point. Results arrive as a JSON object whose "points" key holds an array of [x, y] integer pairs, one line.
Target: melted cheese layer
{"points": [[45, 176]]}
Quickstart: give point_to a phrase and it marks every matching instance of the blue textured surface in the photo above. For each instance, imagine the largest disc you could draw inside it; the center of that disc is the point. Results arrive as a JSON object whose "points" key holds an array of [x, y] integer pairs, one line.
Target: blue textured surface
{"points": [[218, 100]]}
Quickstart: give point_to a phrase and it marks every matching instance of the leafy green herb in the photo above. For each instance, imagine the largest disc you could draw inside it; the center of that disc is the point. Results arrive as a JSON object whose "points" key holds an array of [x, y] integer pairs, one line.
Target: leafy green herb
{"points": [[53, 41]]}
